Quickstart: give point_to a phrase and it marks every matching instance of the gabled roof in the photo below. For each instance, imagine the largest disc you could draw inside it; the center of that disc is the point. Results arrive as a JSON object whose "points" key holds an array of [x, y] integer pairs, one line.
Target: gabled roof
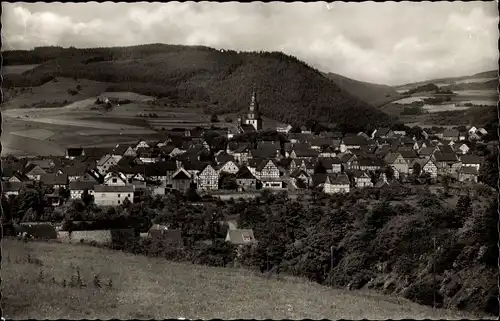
{"points": [[359, 173], [244, 173], [181, 173], [305, 152], [96, 152], [297, 172], [371, 162], [382, 132], [321, 141], [263, 164], [338, 179], [42, 163], [74, 170], [73, 152], [447, 149], [263, 153], [426, 151], [391, 158], [33, 169], [345, 157]]}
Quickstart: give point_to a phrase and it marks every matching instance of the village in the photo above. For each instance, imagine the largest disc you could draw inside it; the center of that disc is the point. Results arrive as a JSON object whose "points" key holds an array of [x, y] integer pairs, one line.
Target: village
{"points": [[329, 162]]}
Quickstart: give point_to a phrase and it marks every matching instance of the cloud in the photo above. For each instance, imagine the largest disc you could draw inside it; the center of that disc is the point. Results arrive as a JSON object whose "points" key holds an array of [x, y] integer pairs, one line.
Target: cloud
{"points": [[390, 42]]}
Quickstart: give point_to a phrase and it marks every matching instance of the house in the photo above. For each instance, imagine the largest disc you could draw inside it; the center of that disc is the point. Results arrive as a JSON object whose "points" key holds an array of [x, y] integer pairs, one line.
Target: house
{"points": [[71, 153], [240, 153], [141, 144], [482, 131], [462, 148], [77, 188], [362, 179], [348, 161], [426, 152], [408, 155], [55, 181], [245, 179], [471, 161], [370, 164], [113, 195], [399, 132], [382, 181], [462, 136], [319, 143], [303, 153], [305, 130], [468, 174], [74, 172], [295, 138], [148, 155], [273, 152], [331, 164], [328, 151], [272, 182], [229, 167], [382, 133], [446, 163], [299, 177], [34, 172], [115, 179], [11, 188], [121, 150], [427, 165], [240, 237], [181, 180], [397, 163], [208, 178], [267, 169], [106, 162], [352, 142], [474, 137], [46, 164], [284, 129], [447, 149], [472, 130], [331, 183]]}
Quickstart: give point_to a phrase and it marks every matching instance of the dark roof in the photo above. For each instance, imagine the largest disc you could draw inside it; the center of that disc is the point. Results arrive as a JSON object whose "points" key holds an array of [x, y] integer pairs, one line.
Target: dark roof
{"points": [[469, 170], [247, 128], [11, 186], [78, 186], [447, 149], [328, 162], [391, 157], [382, 132], [297, 172], [119, 188], [445, 157], [470, 159], [263, 163], [263, 153], [97, 152], [181, 174], [244, 173], [75, 151], [53, 179], [371, 162], [450, 133], [426, 151], [224, 157], [305, 152], [74, 170], [355, 141], [408, 154]]}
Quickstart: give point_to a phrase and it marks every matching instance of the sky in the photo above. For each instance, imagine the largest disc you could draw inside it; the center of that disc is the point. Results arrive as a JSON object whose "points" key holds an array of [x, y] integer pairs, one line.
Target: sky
{"points": [[387, 43]]}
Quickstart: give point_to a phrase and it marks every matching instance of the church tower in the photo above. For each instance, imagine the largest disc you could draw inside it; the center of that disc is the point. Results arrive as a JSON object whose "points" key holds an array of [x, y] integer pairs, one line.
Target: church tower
{"points": [[253, 117]]}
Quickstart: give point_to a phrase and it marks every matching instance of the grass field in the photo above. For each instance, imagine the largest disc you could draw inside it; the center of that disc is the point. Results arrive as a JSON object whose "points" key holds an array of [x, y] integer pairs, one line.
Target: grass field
{"points": [[17, 69], [149, 288]]}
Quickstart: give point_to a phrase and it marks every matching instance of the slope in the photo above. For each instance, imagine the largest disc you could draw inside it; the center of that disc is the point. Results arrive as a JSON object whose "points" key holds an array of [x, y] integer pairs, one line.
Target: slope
{"points": [[150, 288], [374, 94], [288, 89], [487, 76]]}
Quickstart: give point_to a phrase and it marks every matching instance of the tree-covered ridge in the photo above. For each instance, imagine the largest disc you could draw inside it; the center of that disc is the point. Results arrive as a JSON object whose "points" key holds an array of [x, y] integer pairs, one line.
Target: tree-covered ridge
{"points": [[288, 89]]}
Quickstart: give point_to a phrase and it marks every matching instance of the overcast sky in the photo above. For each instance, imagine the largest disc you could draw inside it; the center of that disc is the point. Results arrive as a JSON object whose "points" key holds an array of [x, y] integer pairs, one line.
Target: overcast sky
{"points": [[388, 43]]}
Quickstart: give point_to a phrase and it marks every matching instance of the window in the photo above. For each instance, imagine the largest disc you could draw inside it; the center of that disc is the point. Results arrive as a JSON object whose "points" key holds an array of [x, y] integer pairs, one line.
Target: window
{"points": [[115, 180], [128, 195], [119, 195], [118, 202]]}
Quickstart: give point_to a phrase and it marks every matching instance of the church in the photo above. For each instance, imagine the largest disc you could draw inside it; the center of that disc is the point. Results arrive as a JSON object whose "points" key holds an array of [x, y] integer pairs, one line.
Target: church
{"points": [[253, 117]]}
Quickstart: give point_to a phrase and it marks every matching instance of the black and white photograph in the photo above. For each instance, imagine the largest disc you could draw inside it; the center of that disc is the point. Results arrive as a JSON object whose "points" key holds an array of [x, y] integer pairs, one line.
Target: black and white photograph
{"points": [[258, 160]]}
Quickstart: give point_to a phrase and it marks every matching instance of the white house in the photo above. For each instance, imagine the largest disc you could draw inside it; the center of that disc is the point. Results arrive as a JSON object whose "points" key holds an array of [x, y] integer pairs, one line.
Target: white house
{"points": [[113, 195]]}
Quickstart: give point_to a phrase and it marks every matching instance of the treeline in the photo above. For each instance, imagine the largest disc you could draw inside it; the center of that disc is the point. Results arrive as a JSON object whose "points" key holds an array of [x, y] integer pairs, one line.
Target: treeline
{"points": [[288, 89], [377, 238]]}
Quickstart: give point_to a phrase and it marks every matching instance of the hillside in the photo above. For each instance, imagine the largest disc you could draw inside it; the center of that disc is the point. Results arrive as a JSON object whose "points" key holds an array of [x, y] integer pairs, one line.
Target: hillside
{"points": [[154, 288], [451, 80], [288, 89], [374, 94]]}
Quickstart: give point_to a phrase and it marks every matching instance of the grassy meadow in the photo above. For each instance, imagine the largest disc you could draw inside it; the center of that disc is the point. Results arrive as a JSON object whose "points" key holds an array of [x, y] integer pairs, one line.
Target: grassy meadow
{"points": [[37, 283]]}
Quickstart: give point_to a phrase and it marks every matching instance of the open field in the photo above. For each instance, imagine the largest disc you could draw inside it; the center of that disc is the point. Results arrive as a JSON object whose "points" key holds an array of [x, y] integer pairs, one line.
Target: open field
{"points": [[151, 288], [52, 92], [16, 69]]}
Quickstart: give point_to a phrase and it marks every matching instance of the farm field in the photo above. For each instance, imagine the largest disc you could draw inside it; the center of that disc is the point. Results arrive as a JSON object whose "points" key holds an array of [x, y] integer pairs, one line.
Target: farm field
{"points": [[55, 91], [16, 69], [149, 288]]}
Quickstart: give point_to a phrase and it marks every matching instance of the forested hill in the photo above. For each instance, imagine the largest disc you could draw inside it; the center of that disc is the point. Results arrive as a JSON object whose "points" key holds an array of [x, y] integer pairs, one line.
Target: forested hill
{"points": [[288, 89], [374, 94]]}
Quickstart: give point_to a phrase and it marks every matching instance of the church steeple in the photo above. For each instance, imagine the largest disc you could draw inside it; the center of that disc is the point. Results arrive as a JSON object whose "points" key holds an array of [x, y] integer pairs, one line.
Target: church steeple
{"points": [[253, 117]]}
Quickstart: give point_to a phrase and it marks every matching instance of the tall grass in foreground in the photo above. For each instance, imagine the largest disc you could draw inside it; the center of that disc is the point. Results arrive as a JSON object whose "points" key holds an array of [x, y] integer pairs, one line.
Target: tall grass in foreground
{"points": [[50, 280]]}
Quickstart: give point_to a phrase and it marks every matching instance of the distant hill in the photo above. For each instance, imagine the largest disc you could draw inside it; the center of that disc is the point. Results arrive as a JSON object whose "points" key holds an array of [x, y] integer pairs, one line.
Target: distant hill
{"points": [[288, 89], [374, 94], [487, 75]]}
